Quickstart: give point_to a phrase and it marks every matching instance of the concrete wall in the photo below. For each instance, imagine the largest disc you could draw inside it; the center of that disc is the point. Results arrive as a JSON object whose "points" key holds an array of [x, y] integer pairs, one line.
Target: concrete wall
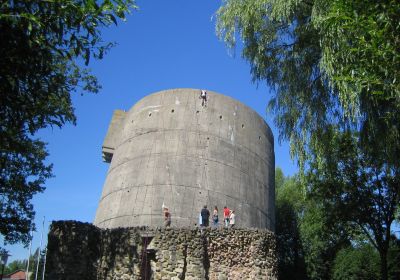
{"points": [[168, 149], [83, 251]]}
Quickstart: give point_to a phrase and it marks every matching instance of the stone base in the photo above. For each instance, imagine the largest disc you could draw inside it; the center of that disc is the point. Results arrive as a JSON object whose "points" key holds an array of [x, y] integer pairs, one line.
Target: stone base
{"points": [[82, 251]]}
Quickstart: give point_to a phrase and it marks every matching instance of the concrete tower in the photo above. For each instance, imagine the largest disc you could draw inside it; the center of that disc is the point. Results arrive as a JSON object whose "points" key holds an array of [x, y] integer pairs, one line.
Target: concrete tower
{"points": [[169, 149]]}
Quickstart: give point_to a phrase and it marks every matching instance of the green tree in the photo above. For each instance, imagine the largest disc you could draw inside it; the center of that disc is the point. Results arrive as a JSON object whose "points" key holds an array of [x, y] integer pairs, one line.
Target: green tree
{"points": [[322, 239], [356, 263], [45, 47], [360, 47], [283, 49], [307, 50], [300, 48], [307, 240], [289, 205], [313, 243], [357, 190], [15, 265], [21, 264], [394, 258]]}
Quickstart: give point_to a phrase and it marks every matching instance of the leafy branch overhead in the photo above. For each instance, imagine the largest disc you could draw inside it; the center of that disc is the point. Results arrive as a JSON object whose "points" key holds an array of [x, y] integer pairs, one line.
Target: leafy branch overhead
{"points": [[45, 46], [331, 62], [333, 67]]}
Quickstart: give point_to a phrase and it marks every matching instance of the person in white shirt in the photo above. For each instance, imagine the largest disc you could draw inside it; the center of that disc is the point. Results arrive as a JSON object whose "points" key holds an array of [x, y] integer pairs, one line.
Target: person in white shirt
{"points": [[203, 96], [232, 219]]}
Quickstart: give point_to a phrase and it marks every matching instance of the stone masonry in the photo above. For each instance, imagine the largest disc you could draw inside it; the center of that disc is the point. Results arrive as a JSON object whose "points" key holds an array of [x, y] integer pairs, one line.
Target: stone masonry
{"points": [[82, 251]]}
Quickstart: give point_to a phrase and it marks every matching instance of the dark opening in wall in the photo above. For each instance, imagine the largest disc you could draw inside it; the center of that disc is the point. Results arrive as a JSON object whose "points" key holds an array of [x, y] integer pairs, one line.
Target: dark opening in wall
{"points": [[172, 110], [242, 125], [220, 117], [197, 111], [146, 257], [149, 115]]}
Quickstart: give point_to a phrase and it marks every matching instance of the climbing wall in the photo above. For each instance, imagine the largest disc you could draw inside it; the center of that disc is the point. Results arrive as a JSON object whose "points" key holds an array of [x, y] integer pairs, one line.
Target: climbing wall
{"points": [[170, 150]]}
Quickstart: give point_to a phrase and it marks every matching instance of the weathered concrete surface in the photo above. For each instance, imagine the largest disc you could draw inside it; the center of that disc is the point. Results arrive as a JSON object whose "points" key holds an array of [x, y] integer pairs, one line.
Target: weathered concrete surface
{"points": [[111, 139], [169, 149]]}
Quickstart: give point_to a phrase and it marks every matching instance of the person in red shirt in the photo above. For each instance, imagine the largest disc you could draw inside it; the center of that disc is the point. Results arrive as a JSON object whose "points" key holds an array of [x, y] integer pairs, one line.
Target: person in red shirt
{"points": [[226, 216]]}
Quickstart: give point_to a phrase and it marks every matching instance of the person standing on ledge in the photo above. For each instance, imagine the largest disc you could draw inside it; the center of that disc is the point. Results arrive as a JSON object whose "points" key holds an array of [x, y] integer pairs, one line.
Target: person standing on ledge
{"points": [[227, 212], [167, 217], [205, 215], [215, 217], [232, 219]]}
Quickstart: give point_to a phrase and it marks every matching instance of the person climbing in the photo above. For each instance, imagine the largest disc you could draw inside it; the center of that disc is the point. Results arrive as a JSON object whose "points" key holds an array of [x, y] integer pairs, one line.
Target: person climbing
{"points": [[167, 217], [215, 217], [205, 215], [227, 212], [203, 96]]}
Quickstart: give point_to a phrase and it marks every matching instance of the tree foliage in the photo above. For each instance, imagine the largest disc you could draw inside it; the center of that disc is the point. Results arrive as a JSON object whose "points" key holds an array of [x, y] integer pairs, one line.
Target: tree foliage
{"points": [[314, 243], [43, 46], [360, 48], [14, 266], [307, 240], [356, 263], [289, 202], [322, 239], [394, 258], [328, 62], [283, 49], [22, 264], [362, 261], [333, 70], [357, 189]]}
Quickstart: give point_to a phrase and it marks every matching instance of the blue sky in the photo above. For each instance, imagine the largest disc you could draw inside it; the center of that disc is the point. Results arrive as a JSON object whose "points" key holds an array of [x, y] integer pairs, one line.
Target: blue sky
{"points": [[163, 45]]}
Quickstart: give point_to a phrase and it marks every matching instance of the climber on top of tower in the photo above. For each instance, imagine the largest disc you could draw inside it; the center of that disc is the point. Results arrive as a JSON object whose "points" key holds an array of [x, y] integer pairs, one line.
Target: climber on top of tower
{"points": [[203, 96]]}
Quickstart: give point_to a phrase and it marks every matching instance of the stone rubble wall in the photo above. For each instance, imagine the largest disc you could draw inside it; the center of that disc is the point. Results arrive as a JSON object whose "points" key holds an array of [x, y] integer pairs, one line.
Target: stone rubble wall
{"points": [[82, 251]]}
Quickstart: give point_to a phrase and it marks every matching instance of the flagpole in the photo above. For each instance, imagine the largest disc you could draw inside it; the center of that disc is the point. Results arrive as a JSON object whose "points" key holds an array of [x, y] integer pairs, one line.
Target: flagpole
{"points": [[29, 257], [44, 263], [40, 248]]}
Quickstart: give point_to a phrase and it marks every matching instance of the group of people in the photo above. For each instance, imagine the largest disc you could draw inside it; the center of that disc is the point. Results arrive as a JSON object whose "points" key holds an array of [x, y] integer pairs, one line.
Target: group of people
{"points": [[204, 218]]}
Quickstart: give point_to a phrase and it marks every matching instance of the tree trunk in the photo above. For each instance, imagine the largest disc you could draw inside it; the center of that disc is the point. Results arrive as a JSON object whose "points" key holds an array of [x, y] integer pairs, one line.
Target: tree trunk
{"points": [[384, 265]]}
